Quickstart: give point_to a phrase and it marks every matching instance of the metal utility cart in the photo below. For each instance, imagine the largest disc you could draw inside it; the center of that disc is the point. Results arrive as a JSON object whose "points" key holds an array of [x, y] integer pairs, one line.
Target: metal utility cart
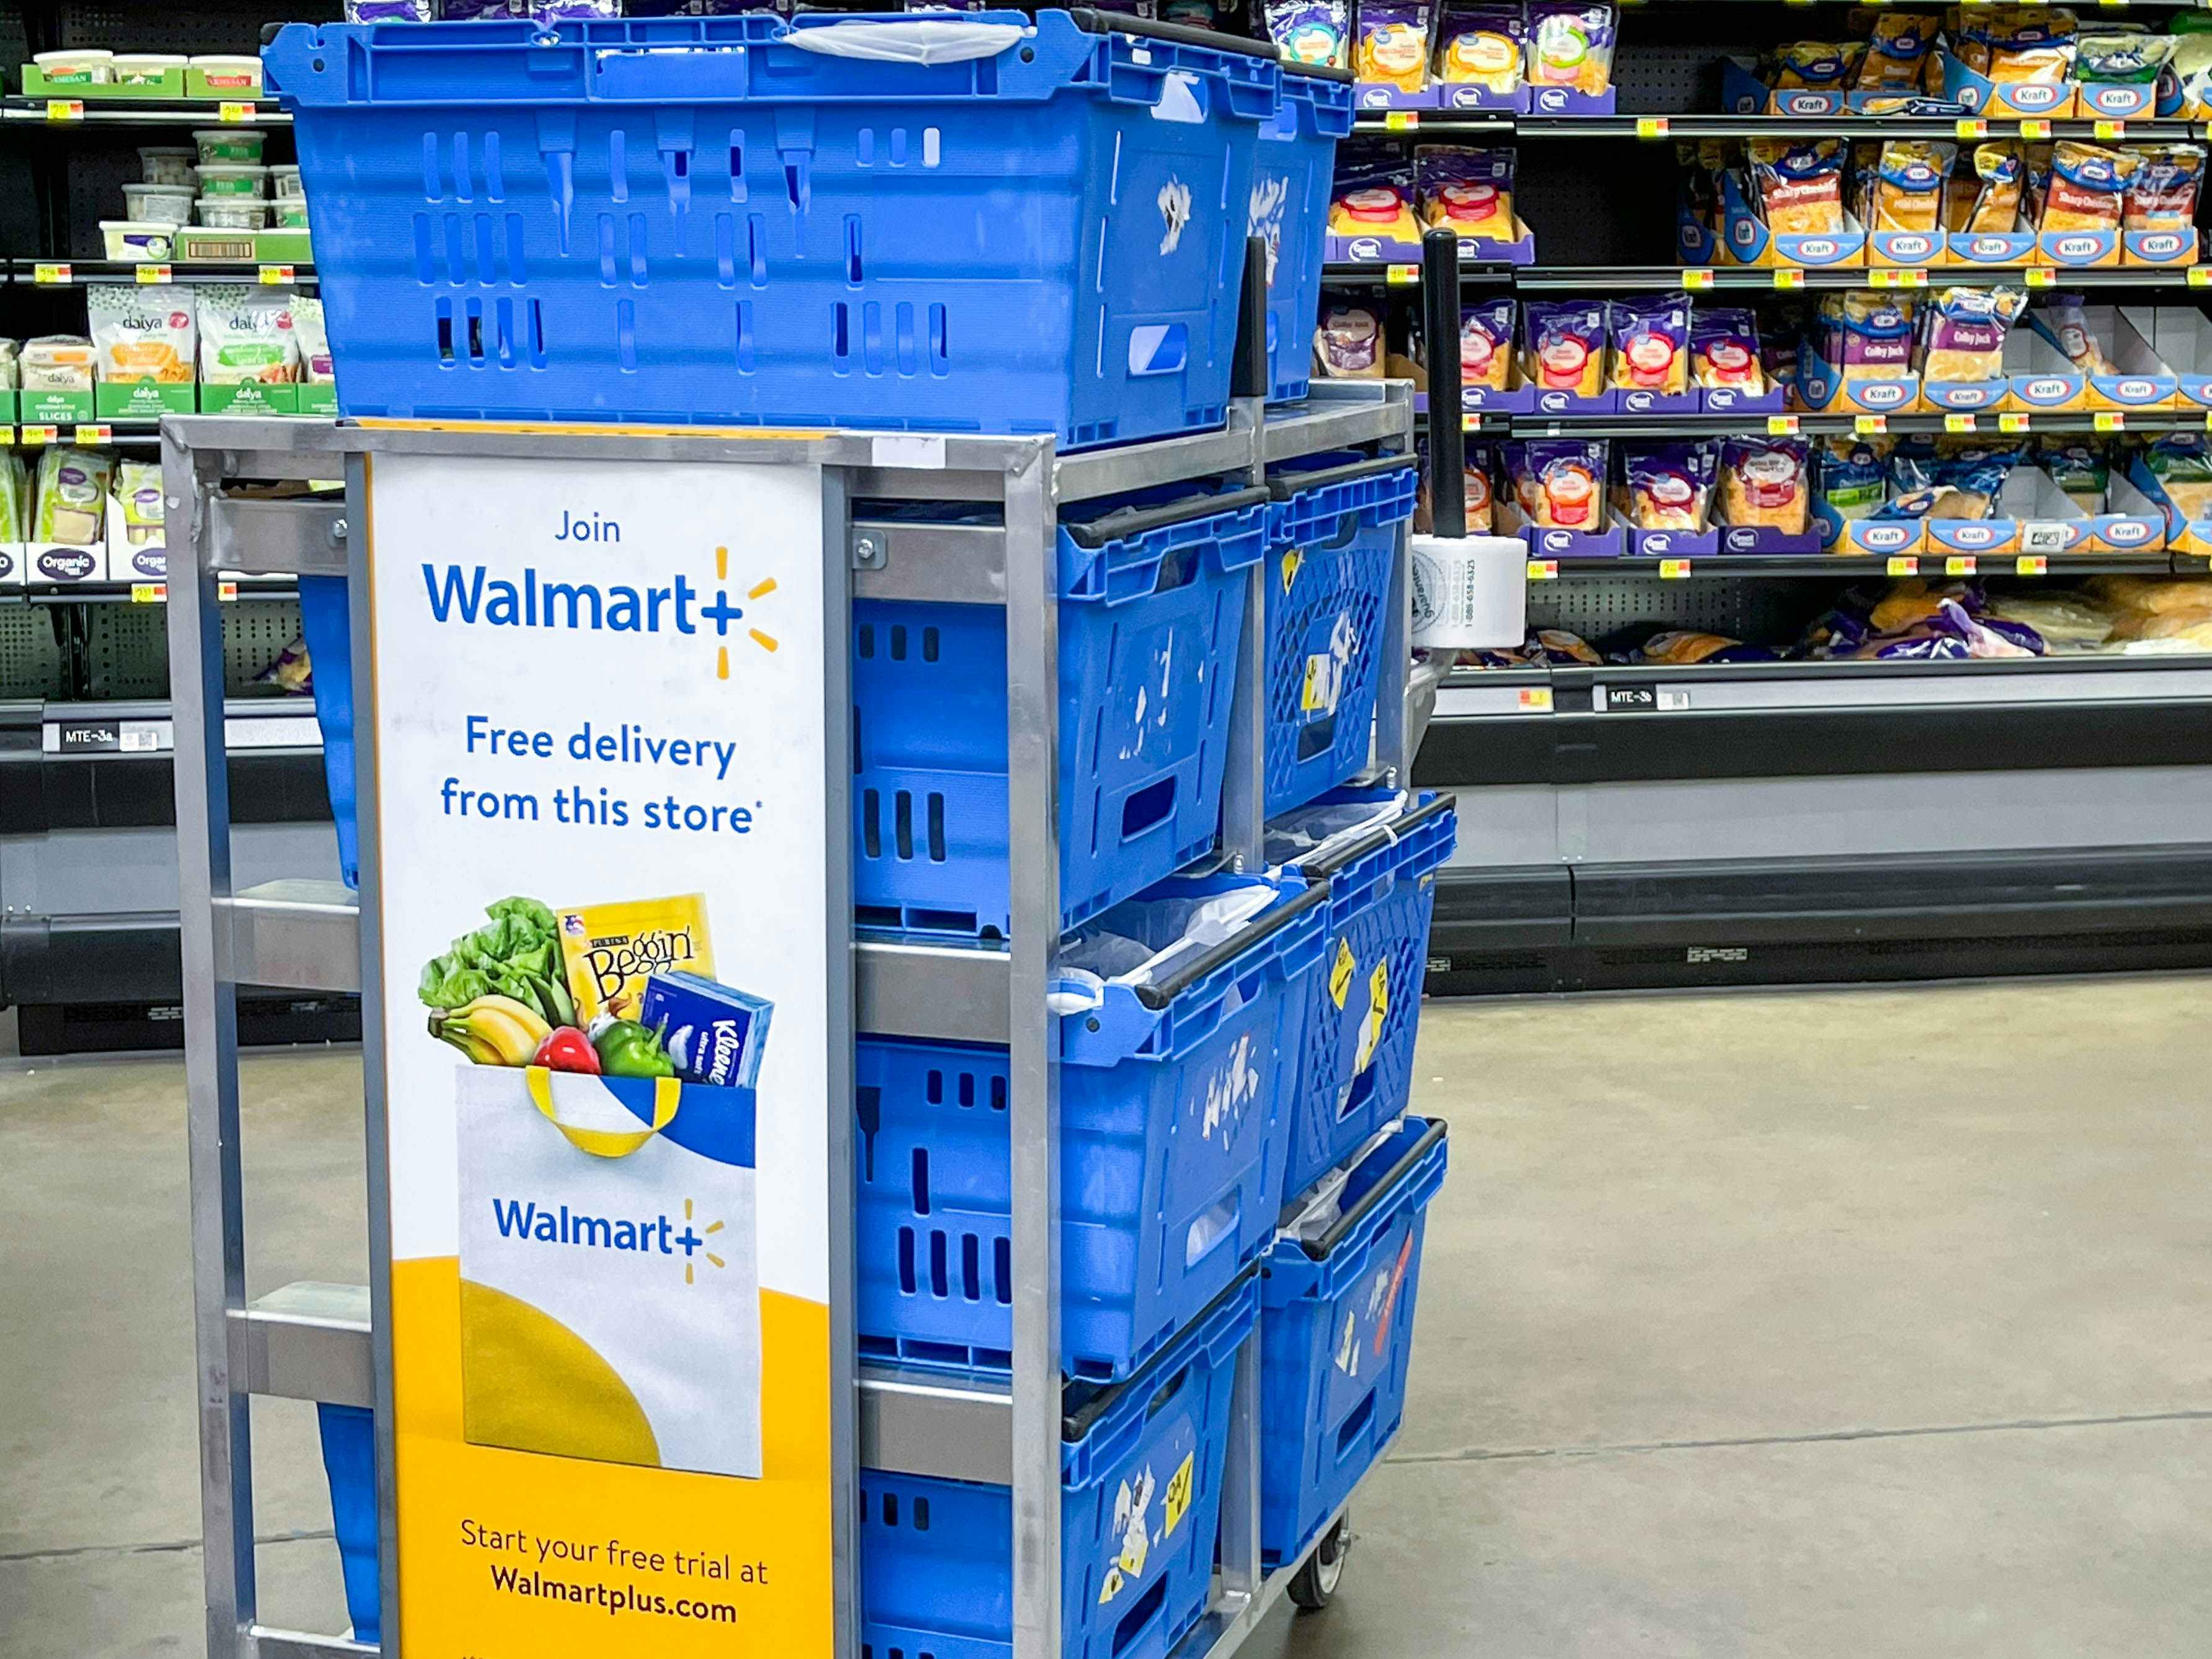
{"points": [[332, 1343]]}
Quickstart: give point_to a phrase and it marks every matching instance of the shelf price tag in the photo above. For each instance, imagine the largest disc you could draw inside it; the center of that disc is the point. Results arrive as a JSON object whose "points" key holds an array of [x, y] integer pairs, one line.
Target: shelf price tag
{"points": [[229, 111], [2109, 420], [1788, 279], [1698, 279], [1651, 126], [226, 592], [2031, 564], [1673, 570], [1887, 276], [1536, 699], [2012, 422], [275, 276], [50, 272], [65, 109], [1955, 422], [93, 434], [1543, 570], [155, 274], [1959, 564], [1969, 129], [2200, 276], [149, 592], [2039, 277], [1903, 564], [2110, 129], [1401, 276], [1870, 426], [1402, 120], [41, 435], [2035, 128], [1782, 426]]}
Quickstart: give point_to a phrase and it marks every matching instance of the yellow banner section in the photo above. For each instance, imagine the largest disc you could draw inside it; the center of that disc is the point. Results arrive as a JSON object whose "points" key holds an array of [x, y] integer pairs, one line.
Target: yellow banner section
{"points": [[506, 1552]]}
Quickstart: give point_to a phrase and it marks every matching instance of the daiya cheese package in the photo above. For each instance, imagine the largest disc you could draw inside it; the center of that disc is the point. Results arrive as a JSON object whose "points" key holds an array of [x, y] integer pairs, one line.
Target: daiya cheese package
{"points": [[246, 334]]}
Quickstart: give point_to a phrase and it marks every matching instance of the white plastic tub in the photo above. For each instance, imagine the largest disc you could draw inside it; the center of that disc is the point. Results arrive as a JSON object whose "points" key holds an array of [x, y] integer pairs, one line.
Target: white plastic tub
{"points": [[284, 183], [159, 205], [84, 66], [223, 178], [227, 74], [142, 68], [233, 213], [170, 164], [142, 241], [289, 213], [229, 146]]}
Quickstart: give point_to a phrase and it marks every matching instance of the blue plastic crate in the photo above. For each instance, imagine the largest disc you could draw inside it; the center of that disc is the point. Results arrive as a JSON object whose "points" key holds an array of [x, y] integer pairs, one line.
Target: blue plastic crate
{"points": [[1151, 615], [1291, 180], [327, 626], [1170, 1156], [1365, 1006], [349, 1459], [1336, 1331], [721, 220], [1332, 536], [1140, 1507]]}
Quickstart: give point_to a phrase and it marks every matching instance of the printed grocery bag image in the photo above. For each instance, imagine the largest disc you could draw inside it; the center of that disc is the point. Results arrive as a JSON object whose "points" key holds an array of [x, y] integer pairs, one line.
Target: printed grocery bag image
{"points": [[609, 1287]]}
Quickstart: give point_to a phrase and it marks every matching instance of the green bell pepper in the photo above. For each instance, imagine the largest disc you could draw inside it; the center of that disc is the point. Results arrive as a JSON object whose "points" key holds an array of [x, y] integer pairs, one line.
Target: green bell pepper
{"points": [[627, 1048]]}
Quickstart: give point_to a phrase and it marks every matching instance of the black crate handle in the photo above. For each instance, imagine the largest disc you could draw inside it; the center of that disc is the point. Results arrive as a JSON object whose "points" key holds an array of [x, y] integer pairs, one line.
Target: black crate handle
{"points": [[1158, 995], [1095, 533], [1284, 486], [1319, 1249], [1381, 835]]}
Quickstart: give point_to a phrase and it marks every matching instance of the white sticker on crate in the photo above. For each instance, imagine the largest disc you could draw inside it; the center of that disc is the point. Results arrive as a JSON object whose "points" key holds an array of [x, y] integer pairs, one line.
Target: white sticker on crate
{"points": [[1235, 1083], [1175, 212]]}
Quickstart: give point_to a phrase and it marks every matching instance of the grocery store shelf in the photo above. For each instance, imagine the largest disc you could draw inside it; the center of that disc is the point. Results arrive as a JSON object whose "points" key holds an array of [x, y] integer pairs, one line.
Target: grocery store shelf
{"points": [[1606, 279], [1375, 274], [82, 273], [1653, 127], [144, 592], [62, 115], [1736, 566], [1497, 425]]}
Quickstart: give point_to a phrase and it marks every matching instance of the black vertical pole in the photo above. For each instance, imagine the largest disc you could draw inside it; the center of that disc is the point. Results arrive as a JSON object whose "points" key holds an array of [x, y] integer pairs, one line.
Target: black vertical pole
{"points": [[1440, 327], [1249, 376]]}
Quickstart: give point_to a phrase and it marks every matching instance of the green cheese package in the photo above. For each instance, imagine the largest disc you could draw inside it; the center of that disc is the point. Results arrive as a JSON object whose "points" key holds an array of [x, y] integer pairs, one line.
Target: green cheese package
{"points": [[14, 515], [137, 490], [71, 502], [246, 334]]}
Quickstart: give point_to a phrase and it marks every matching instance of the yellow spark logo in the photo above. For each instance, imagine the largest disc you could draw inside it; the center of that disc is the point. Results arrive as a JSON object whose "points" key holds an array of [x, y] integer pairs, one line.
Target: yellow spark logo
{"points": [[691, 1241], [722, 613]]}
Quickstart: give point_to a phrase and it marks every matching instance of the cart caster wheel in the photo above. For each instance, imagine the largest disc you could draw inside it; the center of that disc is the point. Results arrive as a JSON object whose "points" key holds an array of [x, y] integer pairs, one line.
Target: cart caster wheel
{"points": [[1313, 1587]]}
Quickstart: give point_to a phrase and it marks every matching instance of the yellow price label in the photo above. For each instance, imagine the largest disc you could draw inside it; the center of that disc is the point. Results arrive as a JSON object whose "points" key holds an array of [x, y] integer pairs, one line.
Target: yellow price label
{"points": [[1536, 699], [41, 435], [1958, 423], [2031, 564], [65, 109], [2111, 129], [1402, 120], [2035, 129], [2039, 277], [1967, 129], [93, 434], [226, 592], [1868, 426], [1782, 426], [148, 275], [149, 592], [1788, 279], [1697, 278], [1470, 422], [1543, 570], [50, 273], [1888, 276], [229, 111], [274, 275], [2109, 420], [1959, 564], [1673, 570], [1401, 276], [1651, 126], [1341, 972], [1903, 564], [2200, 276], [2012, 422]]}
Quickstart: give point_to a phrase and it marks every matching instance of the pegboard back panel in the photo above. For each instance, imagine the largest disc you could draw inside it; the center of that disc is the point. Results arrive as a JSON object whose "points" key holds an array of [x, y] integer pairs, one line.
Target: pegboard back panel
{"points": [[127, 647], [226, 25], [33, 665], [1619, 613]]}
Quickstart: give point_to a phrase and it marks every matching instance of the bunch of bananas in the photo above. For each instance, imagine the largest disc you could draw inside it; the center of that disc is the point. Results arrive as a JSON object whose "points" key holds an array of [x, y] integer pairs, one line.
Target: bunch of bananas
{"points": [[491, 1030]]}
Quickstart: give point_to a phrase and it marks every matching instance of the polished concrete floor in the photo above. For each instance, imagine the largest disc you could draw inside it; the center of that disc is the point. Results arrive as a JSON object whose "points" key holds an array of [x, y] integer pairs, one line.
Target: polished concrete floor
{"points": [[1836, 1324]]}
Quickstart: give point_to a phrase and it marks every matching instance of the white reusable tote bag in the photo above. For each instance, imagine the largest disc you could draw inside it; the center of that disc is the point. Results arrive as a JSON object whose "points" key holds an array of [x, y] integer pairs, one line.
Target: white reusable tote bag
{"points": [[609, 1287]]}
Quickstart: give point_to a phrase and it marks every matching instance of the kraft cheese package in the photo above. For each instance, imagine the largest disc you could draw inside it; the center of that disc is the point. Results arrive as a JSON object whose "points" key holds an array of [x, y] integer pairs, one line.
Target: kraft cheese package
{"points": [[1896, 55], [2161, 194], [1982, 196], [1962, 333], [1908, 185], [2087, 185], [1800, 185]]}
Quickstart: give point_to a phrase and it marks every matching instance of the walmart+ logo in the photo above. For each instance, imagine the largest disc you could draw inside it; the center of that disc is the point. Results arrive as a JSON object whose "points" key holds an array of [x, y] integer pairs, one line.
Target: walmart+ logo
{"points": [[647, 1236]]}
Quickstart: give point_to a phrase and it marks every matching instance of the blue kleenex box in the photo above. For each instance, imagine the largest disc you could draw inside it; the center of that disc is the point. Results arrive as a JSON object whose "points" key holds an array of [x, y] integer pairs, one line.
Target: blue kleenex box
{"points": [[714, 1034]]}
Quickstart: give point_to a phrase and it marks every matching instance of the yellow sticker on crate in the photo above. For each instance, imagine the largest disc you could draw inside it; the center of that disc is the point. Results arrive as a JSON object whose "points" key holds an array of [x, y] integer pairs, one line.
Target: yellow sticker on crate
{"points": [[1292, 560], [1379, 1011], [1341, 972]]}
